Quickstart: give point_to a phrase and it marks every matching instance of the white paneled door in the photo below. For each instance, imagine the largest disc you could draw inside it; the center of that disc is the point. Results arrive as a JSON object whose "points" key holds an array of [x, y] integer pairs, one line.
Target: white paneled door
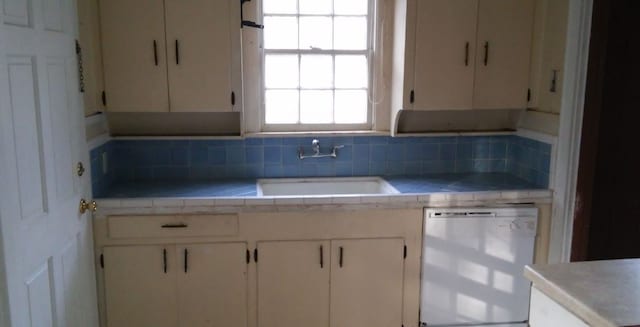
{"points": [[47, 276]]}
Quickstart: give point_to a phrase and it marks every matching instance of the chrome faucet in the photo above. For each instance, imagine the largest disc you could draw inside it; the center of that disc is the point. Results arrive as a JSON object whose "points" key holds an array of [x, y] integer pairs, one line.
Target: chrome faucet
{"points": [[315, 146]]}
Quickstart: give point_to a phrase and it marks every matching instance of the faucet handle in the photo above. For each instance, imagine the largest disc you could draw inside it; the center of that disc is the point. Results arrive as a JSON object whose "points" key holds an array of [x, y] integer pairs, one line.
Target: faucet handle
{"points": [[334, 152]]}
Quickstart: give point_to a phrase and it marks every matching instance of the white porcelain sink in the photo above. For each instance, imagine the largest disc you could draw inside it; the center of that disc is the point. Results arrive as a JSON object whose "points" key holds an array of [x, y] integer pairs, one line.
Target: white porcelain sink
{"points": [[324, 186]]}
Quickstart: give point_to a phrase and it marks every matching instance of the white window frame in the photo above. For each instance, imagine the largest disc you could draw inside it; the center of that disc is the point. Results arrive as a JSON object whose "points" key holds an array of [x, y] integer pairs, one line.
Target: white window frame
{"points": [[368, 52]]}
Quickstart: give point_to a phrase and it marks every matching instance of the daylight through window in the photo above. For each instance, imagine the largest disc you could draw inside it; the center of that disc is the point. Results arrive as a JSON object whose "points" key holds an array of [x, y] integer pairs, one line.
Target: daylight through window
{"points": [[316, 62]]}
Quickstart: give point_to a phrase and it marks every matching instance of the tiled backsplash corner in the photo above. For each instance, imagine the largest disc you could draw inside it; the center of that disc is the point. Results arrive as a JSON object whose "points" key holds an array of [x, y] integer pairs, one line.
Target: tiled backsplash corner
{"points": [[101, 178], [159, 160], [529, 160]]}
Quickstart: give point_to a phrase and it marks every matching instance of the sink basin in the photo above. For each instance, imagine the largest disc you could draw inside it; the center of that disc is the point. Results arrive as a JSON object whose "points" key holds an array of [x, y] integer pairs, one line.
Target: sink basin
{"points": [[324, 186]]}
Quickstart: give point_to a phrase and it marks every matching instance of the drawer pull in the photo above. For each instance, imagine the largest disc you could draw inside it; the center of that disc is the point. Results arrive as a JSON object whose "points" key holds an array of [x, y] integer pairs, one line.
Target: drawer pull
{"points": [[466, 54], [180, 225], [177, 52], [164, 260], [486, 53], [186, 260], [155, 52]]}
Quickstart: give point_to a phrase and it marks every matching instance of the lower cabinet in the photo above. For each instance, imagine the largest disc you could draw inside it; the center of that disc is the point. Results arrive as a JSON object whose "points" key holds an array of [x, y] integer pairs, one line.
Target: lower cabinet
{"points": [[346, 268], [293, 283], [337, 283], [544, 311], [139, 292], [185, 285], [366, 282]]}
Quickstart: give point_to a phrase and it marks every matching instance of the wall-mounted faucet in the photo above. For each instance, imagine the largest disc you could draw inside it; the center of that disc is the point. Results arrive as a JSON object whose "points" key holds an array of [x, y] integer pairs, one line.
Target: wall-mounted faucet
{"points": [[315, 146]]}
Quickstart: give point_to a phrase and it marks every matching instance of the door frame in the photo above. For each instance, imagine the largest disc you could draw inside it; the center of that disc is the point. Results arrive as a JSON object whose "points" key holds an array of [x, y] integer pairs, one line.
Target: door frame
{"points": [[570, 133], [4, 289], [589, 145]]}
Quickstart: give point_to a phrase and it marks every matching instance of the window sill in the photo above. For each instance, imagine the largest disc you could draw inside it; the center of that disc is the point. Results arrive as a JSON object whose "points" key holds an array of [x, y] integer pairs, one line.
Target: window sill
{"points": [[318, 133]]}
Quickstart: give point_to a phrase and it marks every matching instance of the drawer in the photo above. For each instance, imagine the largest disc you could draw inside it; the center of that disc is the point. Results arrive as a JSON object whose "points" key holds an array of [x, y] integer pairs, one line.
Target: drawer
{"points": [[172, 226]]}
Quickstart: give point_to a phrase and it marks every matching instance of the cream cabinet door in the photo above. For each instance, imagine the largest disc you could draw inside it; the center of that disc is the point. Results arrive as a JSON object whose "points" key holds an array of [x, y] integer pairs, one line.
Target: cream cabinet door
{"points": [[140, 286], [212, 285], [504, 49], [133, 48], [293, 284], [445, 54], [366, 282], [199, 46], [552, 68]]}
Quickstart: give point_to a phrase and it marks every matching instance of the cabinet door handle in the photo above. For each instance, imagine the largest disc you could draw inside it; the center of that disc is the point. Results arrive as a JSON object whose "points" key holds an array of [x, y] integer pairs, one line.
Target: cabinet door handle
{"points": [[155, 52], [186, 260], [177, 52], [164, 260], [486, 53], [321, 256], [180, 225], [466, 54], [341, 255]]}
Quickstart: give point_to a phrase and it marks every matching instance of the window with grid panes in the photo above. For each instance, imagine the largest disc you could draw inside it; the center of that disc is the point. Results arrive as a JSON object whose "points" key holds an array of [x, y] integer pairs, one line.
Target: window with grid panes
{"points": [[317, 63]]}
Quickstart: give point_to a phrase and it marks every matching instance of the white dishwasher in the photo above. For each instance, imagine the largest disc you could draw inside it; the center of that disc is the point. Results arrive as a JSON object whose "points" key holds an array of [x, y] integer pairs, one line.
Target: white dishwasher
{"points": [[472, 266]]}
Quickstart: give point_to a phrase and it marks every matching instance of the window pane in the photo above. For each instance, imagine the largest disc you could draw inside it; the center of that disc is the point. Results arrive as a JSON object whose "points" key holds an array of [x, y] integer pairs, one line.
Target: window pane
{"points": [[350, 33], [279, 6], [315, 32], [280, 32], [352, 71], [316, 71], [350, 7], [315, 7], [351, 107], [281, 71], [281, 107], [316, 107]]}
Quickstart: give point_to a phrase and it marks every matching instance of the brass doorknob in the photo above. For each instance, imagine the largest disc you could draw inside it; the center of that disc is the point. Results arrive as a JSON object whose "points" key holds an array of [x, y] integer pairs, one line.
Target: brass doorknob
{"points": [[84, 206]]}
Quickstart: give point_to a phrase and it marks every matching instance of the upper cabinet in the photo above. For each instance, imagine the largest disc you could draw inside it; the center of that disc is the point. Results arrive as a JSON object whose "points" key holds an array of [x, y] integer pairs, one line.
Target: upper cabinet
{"points": [[462, 54], [172, 55], [504, 38], [134, 56], [547, 62], [445, 52]]}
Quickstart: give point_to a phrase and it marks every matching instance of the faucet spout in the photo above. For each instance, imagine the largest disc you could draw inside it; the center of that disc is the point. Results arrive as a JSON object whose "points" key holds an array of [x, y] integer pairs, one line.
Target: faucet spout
{"points": [[315, 145]]}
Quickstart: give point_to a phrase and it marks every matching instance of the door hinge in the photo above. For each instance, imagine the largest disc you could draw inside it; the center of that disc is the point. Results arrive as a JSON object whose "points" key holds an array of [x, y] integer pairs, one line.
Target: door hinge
{"points": [[101, 260], [412, 96], [404, 252], [248, 256], [233, 98], [528, 95], [104, 98], [255, 255]]}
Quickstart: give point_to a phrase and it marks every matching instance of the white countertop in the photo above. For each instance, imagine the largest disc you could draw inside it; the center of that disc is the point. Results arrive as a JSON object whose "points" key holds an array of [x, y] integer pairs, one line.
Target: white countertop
{"points": [[278, 203], [602, 293]]}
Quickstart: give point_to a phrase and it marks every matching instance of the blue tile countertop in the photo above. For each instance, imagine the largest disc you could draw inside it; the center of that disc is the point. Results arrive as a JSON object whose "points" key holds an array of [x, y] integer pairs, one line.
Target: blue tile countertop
{"points": [[455, 182]]}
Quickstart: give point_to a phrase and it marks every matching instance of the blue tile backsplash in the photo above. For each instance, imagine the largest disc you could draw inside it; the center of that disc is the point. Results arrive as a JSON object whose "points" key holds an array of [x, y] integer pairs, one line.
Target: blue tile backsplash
{"points": [[176, 160], [529, 160]]}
